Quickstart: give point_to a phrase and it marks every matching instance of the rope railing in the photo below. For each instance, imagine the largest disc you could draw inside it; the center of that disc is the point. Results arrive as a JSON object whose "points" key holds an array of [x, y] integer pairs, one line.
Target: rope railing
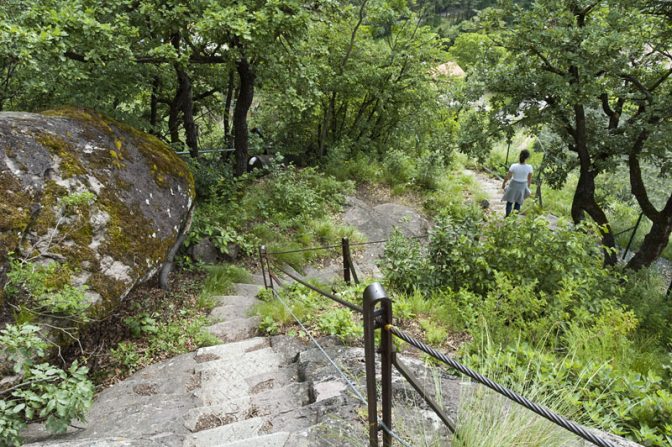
{"points": [[303, 250], [512, 395], [331, 247], [382, 318], [331, 296], [347, 380]]}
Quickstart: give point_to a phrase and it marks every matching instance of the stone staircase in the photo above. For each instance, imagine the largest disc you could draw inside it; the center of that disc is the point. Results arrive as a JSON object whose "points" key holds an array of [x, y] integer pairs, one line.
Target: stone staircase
{"points": [[244, 387], [248, 391]]}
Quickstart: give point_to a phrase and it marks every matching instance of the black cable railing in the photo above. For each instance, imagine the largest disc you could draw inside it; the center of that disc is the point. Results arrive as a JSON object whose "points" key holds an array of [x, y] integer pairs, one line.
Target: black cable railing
{"points": [[331, 296], [521, 400], [377, 315]]}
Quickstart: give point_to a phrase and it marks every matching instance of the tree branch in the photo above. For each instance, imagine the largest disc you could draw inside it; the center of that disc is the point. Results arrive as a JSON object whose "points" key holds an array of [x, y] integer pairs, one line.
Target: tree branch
{"points": [[205, 94], [547, 63], [636, 181]]}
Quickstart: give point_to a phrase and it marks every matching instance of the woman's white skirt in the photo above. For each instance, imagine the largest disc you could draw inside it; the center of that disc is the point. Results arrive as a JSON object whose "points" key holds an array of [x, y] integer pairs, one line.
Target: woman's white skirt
{"points": [[516, 192]]}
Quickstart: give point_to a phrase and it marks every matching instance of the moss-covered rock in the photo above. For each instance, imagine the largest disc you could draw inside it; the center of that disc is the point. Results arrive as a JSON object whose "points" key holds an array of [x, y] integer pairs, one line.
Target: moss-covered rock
{"points": [[103, 199]]}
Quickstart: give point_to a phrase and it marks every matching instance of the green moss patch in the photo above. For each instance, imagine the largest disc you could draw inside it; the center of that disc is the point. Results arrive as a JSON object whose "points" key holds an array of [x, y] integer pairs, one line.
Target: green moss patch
{"points": [[161, 159], [14, 212], [70, 165]]}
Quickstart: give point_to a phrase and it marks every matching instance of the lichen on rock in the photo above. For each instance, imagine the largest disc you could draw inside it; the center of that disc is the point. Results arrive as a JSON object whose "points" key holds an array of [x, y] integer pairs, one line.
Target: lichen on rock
{"points": [[91, 194]]}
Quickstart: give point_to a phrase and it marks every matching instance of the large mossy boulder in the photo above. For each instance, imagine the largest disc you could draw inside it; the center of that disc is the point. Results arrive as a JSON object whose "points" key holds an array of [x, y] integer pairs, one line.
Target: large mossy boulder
{"points": [[104, 201]]}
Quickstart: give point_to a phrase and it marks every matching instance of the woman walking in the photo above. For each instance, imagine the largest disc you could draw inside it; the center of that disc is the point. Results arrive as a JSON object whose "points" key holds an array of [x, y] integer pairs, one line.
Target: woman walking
{"points": [[520, 175]]}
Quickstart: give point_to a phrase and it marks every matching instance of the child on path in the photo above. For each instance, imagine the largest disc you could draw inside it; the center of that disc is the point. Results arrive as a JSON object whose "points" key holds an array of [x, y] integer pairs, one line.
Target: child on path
{"points": [[520, 175]]}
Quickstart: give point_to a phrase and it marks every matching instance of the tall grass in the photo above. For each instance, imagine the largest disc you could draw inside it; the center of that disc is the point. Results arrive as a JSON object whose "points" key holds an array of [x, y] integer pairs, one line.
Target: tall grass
{"points": [[487, 419], [220, 280]]}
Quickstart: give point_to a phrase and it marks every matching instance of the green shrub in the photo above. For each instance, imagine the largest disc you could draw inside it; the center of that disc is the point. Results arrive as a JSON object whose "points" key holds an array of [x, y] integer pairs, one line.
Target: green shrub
{"points": [[342, 164], [645, 294], [399, 168], [339, 322], [317, 312], [518, 283], [285, 209], [221, 278], [403, 263], [38, 391], [429, 169]]}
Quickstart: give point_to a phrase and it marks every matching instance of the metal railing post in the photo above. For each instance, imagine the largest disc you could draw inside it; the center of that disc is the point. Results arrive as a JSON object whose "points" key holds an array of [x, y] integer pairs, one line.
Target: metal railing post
{"points": [[264, 254], [345, 247], [632, 236], [386, 358], [370, 365], [373, 319], [262, 251]]}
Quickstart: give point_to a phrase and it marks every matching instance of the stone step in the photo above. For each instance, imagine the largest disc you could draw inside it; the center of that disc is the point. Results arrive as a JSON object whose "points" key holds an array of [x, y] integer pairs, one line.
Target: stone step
{"points": [[222, 380], [231, 350], [219, 436], [236, 300], [273, 440], [235, 330], [249, 290], [247, 365], [257, 279], [267, 403], [273, 380], [102, 442], [230, 312]]}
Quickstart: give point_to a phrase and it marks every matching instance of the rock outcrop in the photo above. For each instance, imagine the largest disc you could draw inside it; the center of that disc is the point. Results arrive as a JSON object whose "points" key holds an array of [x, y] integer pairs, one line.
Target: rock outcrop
{"points": [[103, 200]]}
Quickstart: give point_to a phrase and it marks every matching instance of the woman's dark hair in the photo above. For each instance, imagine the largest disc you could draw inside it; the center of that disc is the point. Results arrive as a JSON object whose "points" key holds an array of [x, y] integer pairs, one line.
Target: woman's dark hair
{"points": [[524, 155]]}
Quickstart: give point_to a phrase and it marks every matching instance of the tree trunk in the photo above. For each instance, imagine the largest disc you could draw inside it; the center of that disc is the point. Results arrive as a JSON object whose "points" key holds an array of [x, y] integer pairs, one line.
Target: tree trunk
{"points": [[659, 235], [154, 106], [654, 244], [227, 109], [173, 120], [187, 106], [584, 196], [324, 127], [243, 103]]}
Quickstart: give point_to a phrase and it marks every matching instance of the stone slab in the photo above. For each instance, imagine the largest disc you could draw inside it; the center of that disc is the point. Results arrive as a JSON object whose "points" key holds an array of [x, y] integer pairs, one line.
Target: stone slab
{"points": [[235, 330], [216, 437], [273, 440]]}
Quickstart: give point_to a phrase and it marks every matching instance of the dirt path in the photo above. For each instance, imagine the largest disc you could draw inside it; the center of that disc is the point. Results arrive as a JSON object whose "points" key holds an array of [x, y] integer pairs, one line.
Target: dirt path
{"points": [[492, 187]]}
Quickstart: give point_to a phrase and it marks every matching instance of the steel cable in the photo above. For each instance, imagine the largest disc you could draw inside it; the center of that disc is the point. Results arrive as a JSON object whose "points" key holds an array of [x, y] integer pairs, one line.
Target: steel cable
{"points": [[538, 409], [331, 296], [351, 384], [394, 435]]}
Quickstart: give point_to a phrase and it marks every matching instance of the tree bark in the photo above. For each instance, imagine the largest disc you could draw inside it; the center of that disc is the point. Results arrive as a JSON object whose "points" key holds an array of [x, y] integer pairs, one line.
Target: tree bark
{"points": [[173, 118], [227, 110], [659, 235], [654, 244], [154, 105], [243, 103], [187, 106], [584, 196]]}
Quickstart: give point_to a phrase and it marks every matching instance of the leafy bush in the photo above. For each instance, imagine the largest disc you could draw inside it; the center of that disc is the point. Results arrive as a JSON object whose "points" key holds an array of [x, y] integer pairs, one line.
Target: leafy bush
{"points": [[318, 313], [518, 283], [399, 167], [208, 172], [343, 164], [429, 169], [339, 322], [287, 208], [38, 391], [403, 262]]}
